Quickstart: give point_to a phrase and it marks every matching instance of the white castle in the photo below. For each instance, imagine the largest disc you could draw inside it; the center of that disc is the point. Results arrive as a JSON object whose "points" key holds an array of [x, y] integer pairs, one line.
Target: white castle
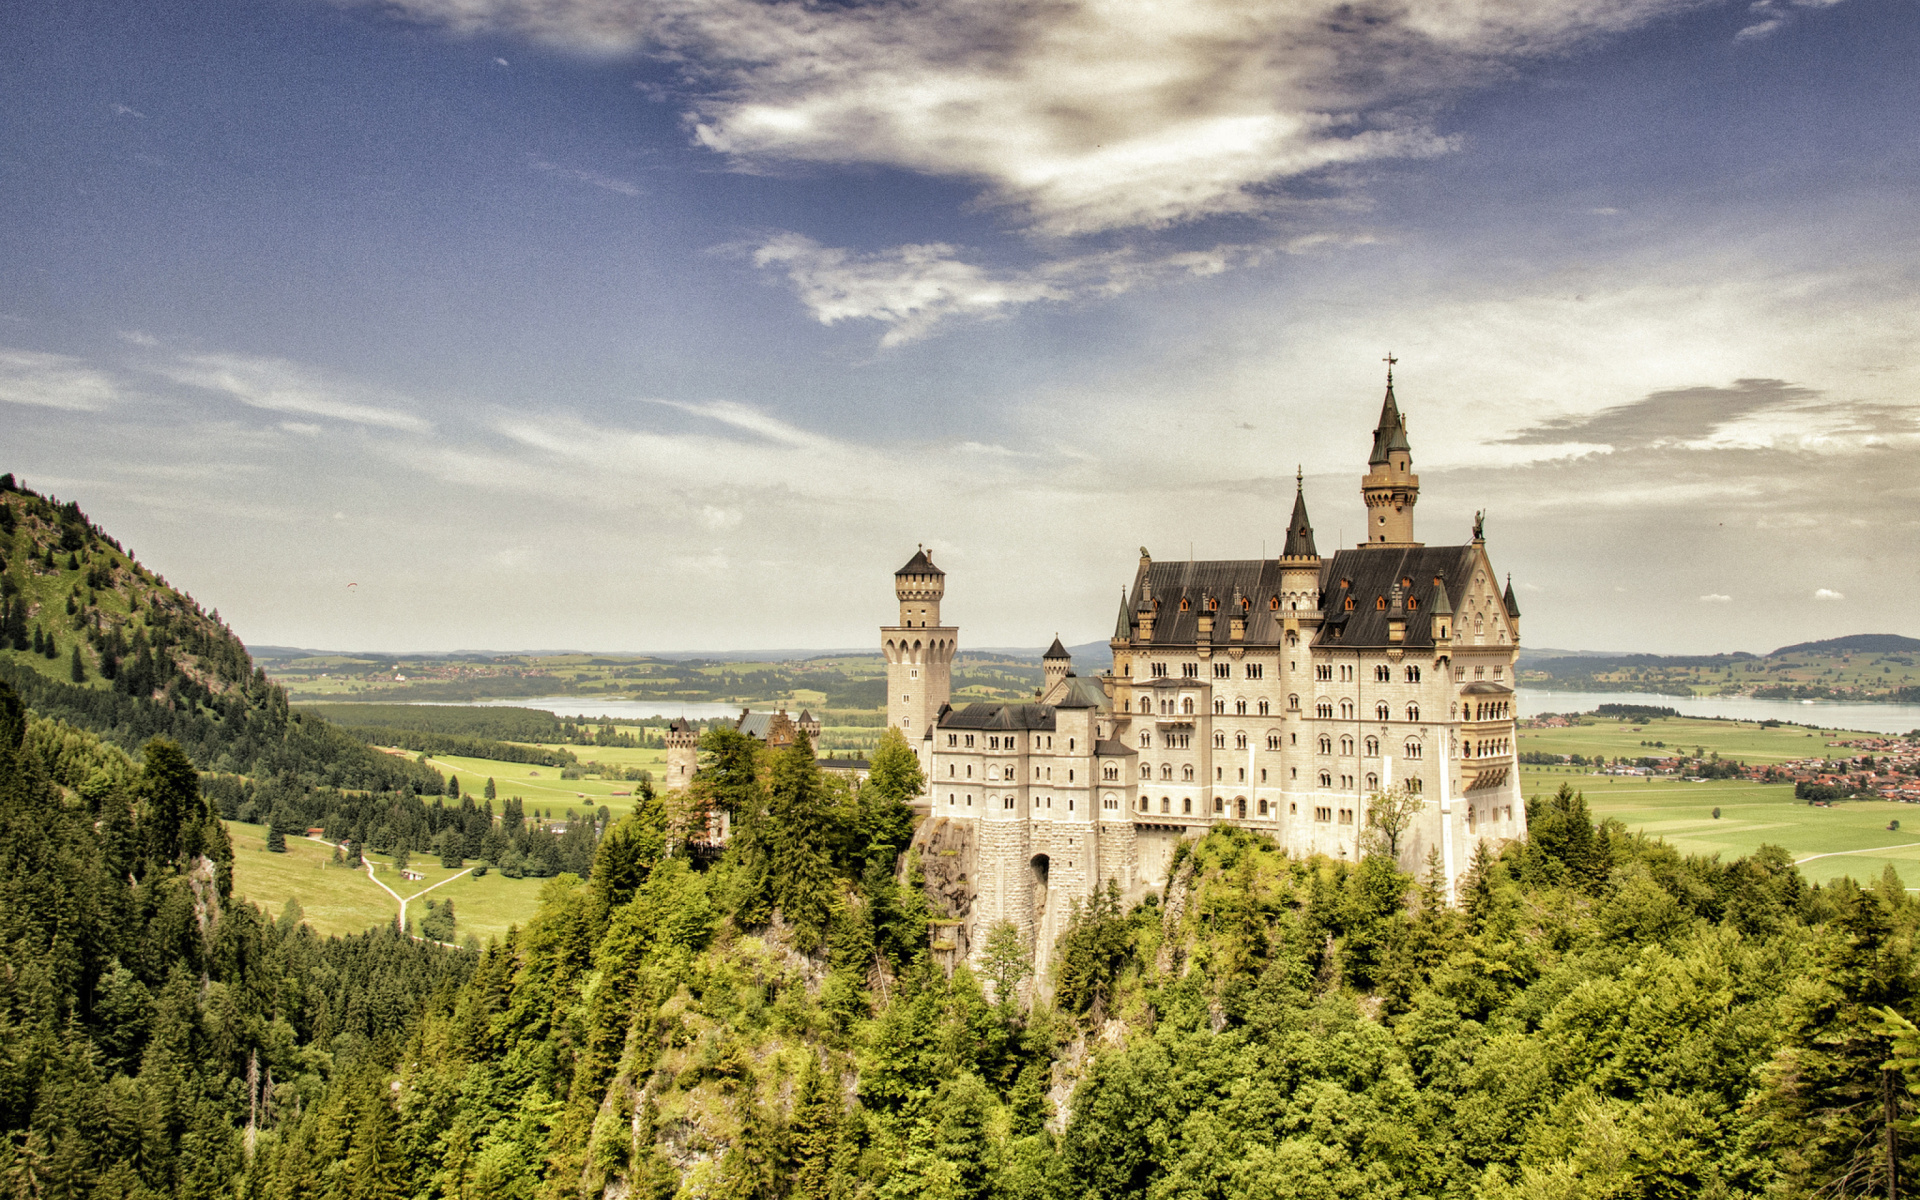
{"points": [[1276, 694]]}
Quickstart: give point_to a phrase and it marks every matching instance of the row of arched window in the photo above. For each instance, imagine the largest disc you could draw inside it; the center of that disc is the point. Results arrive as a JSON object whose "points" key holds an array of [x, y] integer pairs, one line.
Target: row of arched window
{"points": [[1370, 746]]}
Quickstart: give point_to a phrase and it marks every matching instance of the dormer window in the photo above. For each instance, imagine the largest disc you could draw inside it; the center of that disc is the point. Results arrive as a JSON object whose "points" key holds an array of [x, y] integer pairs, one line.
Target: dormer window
{"points": [[1273, 603], [1413, 603], [1184, 606], [1213, 605], [1346, 583], [1379, 604], [1406, 582], [1349, 604]]}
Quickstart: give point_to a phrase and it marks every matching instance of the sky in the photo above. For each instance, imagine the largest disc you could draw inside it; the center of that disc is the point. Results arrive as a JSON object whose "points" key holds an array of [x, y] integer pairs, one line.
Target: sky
{"points": [[677, 325]]}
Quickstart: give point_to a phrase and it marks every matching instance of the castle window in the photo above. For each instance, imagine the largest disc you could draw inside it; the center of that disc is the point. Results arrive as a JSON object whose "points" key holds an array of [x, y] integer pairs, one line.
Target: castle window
{"points": [[953, 739], [1498, 671], [1219, 741], [1213, 605], [1273, 741], [1263, 808], [1413, 674], [951, 769], [1348, 606], [1346, 816], [1382, 712], [1323, 671], [1413, 603], [1413, 712], [1323, 814], [1146, 770], [1241, 804], [1293, 810], [1323, 709], [1412, 748], [1346, 710], [1256, 670], [1326, 779], [1186, 773], [1273, 603], [1240, 741], [1146, 705], [1186, 804], [1373, 782], [1346, 746], [1383, 674], [969, 741], [1110, 773], [1263, 774], [1219, 805], [1416, 785], [1406, 582], [1184, 606], [1293, 639], [1293, 702], [1240, 774], [1166, 804], [1263, 708], [1219, 708], [1326, 744], [1186, 706], [1379, 604], [1190, 670], [1373, 747], [1146, 738], [1222, 670], [1166, 771], [969, 770]]}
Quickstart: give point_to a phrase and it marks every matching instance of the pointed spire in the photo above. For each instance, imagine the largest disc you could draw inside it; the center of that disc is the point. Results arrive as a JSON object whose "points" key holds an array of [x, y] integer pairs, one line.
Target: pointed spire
{"points": [[1299, 529], [1513, 606], [1056, 650], [1123, 627], [1391, 433], [1442, 606]]}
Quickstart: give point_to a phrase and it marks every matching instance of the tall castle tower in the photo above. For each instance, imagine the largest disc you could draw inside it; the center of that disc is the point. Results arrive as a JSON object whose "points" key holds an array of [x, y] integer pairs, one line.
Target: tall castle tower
{"points": [[1390, 487], [683, 752], [919, 652]]}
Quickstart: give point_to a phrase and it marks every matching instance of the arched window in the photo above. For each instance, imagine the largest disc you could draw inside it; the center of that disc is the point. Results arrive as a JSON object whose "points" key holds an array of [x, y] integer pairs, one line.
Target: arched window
{"points": [[1323, 709], [1166, 804], [1413, 674], [1293, 638], [1186, 706], [1326, 744], [1240, 707], [1146, 705], [1146, 770], [1346, 745], [1373, 782], [1346, 710], [1219, 708], [1219, 741], [1184, 606], [1412, 748], [1166, 771], [1349, 604], [1379, 604], [1263, 808], [1326, 779], [1186, 773], [1263, 708], [1273, 603], [1382, 712], [1373, 747], [1146, 738], [1293, 703], [1273, 741], [1413, 712], [1239, 741]]}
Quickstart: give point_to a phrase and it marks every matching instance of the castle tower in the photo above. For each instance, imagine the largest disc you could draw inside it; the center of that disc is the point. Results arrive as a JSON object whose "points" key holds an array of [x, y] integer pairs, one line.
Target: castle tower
{"points": [[919, 651], [1299, 560], [683, 753], [1057, 664], [1390, 487]]}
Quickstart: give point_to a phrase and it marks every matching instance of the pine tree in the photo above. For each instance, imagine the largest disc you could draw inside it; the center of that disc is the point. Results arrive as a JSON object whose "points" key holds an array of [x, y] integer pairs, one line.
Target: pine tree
{"points": [[276, 840], [801, 879], [76, 668], [490, 793]]}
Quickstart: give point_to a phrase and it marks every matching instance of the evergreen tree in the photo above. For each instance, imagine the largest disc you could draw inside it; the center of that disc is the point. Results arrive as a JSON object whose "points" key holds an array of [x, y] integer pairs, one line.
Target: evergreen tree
{"points": [[276, 840], [801, 883], [491, 794], [76, 669]]}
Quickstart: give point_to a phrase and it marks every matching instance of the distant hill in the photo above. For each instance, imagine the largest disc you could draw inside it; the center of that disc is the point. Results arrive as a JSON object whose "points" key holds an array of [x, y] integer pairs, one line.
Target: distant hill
{"points": [[91, 637], [1859, 643]]}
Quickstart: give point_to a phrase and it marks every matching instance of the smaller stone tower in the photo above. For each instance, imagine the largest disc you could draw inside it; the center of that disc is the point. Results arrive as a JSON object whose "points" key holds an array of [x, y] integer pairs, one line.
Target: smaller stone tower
{"points": [[1057, 664], [1300, 564], [683, 752], [919, 651], [1390, 487]]}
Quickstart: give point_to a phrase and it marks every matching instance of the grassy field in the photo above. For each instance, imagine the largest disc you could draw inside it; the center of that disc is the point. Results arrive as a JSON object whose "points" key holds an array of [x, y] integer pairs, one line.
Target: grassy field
{"points": [[1861, 674], [341, 901], [1746, 741], [542, 787], [1851, 838]]}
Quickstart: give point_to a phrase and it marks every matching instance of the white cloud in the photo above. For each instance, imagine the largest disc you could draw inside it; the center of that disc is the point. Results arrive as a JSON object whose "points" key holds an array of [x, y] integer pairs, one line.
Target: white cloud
{"points": [[135, 337], [1828, 594], [592, 178], [1716, 598], [1078, 115], [280, 386], [54, 381]]}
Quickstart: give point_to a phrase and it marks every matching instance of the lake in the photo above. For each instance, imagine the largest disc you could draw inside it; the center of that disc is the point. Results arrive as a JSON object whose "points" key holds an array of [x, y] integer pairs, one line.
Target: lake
{"points": [[1827, 714], [589, 706]]}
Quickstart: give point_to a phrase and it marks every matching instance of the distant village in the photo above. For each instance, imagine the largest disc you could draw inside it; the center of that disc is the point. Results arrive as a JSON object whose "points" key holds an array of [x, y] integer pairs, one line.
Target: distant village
{"points": [[1885, 767]]}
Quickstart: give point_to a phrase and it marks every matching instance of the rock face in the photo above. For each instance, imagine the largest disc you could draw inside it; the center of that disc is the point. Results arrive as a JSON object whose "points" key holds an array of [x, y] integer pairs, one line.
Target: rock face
{"points": [[946, 853]]}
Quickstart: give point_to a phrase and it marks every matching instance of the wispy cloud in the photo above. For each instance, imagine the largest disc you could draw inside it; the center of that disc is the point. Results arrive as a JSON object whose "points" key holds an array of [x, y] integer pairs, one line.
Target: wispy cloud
{"points": [[1076, 115], [280, 386], [591, 178], [54, 381], [1827, 594]]}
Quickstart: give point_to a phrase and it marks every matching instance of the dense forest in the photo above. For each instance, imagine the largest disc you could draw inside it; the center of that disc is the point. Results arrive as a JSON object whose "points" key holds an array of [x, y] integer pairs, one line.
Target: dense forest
{"points": [[1596, 1016]]}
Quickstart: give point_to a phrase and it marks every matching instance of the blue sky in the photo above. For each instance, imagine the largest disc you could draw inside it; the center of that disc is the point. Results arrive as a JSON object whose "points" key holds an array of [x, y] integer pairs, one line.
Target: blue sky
{"points": [[677, 325]]}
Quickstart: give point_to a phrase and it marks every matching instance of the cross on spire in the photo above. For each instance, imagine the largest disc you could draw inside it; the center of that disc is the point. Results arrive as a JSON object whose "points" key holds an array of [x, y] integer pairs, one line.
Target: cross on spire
{"points": [[1390, 360]]}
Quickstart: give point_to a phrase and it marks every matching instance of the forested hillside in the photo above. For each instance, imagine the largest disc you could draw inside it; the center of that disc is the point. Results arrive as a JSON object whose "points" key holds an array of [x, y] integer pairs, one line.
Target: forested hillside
{"points": [[91, 637], [1597, 1016]]}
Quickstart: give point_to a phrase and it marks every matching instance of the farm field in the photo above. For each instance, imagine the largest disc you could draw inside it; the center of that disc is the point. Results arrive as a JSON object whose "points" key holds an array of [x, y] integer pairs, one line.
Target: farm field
{"points": [[1746, 741], [337, 900], [542, 787], [1851, 838]]}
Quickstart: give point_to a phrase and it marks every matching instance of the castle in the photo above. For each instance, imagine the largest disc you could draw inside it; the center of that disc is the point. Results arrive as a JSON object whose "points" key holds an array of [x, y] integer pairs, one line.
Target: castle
{"points": [[1284, 695]]}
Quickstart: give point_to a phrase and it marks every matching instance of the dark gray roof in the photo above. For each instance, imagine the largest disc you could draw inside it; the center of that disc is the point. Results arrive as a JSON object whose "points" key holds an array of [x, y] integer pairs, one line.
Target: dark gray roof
{"points": [[1109, 748], [1391, 433], [754, 724], [1123, 628], [680, 725], [1167, 583], [1483, 687], [994, 717], [1299, 529], [920, 564], [1081, 693], [1513, 606], [1056, 650], [1369, 574]]}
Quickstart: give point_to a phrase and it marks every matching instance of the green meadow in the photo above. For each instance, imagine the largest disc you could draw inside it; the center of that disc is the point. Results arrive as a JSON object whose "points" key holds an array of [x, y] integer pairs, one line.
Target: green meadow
{"points": [[1746, 741], [337, 900]]}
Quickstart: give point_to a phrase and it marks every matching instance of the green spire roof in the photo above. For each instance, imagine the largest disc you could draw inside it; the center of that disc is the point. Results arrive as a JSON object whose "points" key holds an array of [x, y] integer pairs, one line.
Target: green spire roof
{"points": [[1442, 607], [1391, 433], [1513, 606], [1123, 628]]}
